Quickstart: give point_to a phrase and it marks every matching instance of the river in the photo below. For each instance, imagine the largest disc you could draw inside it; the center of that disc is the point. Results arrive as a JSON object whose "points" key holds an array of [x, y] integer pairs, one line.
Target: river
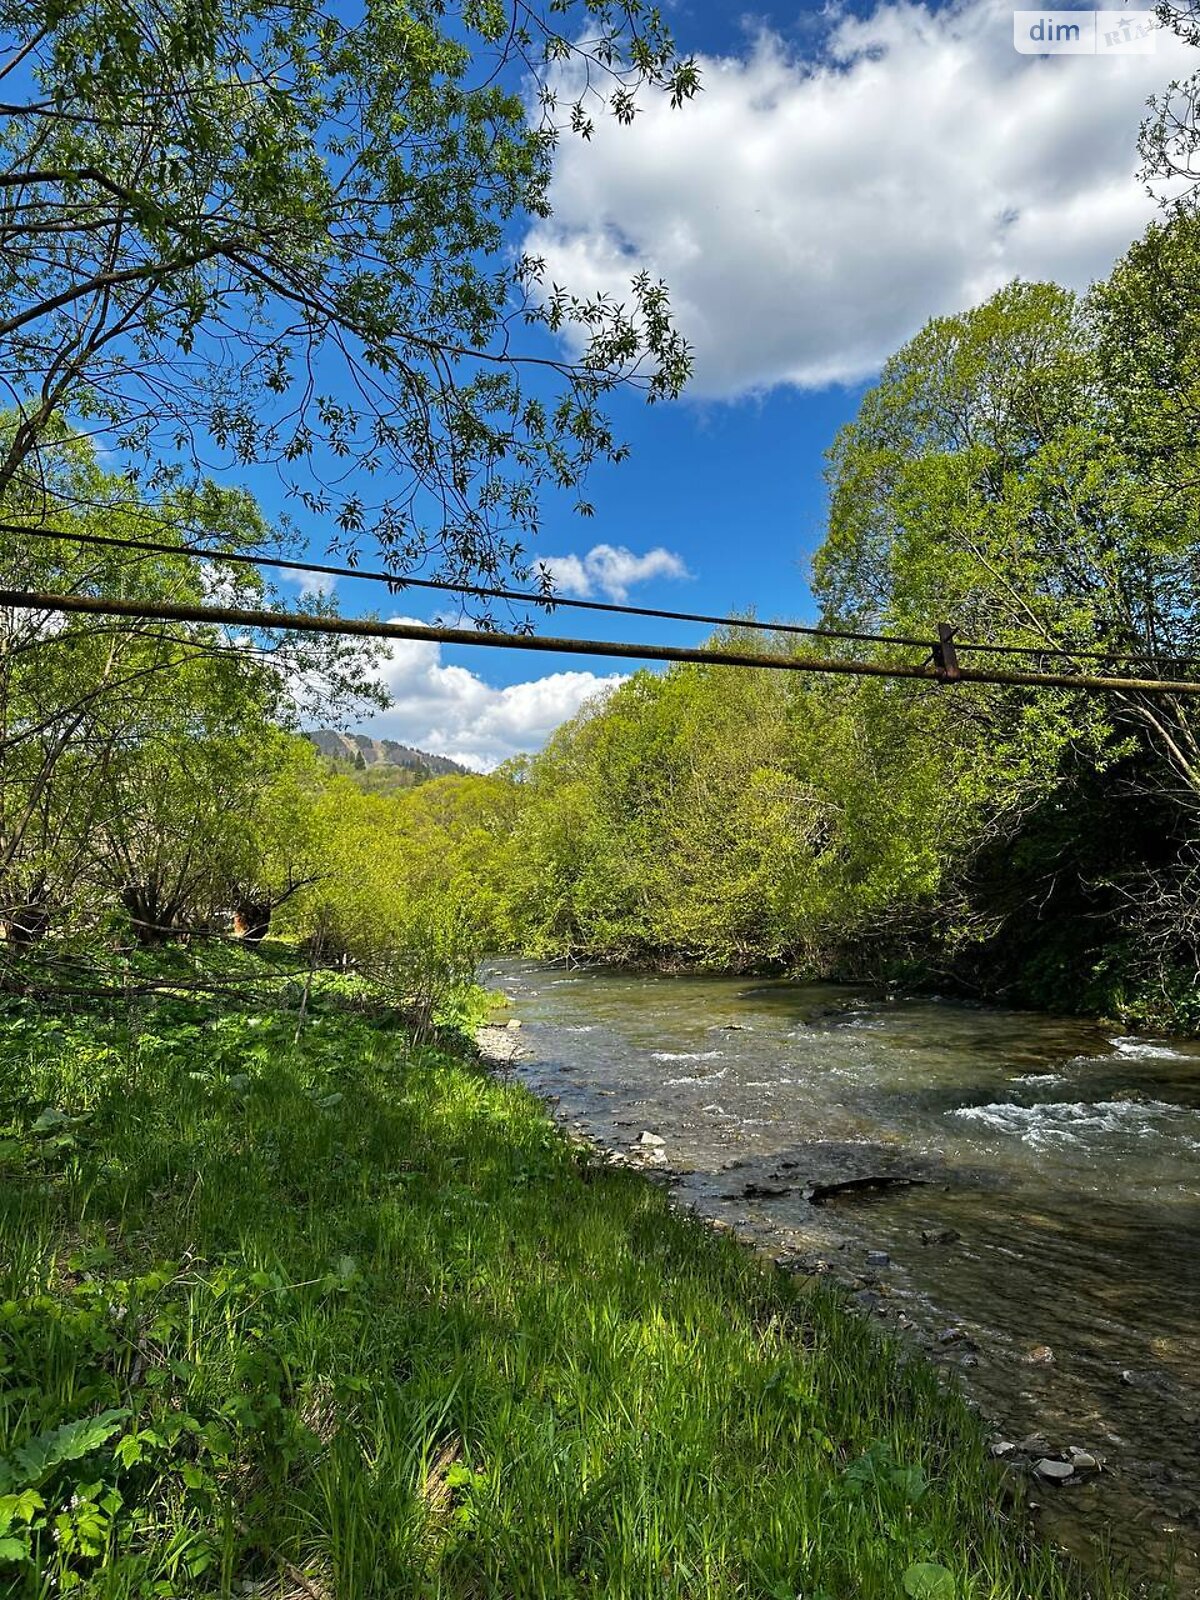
{"points": [[1018, 1193]]}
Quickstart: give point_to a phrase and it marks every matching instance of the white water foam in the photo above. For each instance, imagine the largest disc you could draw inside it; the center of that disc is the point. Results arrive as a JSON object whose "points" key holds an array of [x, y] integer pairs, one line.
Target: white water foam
{"points": [[1146, 1050], [709, 1077], [1065, 1121], [685, 1055]]}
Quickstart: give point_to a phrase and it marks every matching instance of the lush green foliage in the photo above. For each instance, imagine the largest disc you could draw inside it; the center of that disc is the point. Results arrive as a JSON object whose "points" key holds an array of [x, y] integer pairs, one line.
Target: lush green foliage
{"points": [[142, 765], [724, 817], [404, 886], [347, 1316], [1025, 471]]}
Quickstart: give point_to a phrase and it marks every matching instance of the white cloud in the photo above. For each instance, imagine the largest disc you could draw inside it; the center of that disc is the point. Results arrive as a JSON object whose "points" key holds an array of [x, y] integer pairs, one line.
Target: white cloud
{"points": [[315, 585], [810, 214], [450, 711], [611, 569]]}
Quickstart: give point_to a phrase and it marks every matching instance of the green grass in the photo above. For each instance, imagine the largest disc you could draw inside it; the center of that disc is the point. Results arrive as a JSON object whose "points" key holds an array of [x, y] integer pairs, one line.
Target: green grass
{"points": [[348, 1319]]}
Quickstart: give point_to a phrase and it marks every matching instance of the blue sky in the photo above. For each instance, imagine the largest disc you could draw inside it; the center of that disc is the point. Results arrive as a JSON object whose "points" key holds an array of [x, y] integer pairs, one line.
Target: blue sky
{"points": [[844, 175]]}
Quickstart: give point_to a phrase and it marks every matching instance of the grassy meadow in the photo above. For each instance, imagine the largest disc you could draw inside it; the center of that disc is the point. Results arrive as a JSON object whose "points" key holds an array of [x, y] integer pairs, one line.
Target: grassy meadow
{"points": [[321, 1312]]}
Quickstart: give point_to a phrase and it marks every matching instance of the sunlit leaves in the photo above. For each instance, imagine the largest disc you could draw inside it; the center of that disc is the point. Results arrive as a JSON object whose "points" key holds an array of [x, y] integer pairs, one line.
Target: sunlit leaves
{"points": [[228, 201]]}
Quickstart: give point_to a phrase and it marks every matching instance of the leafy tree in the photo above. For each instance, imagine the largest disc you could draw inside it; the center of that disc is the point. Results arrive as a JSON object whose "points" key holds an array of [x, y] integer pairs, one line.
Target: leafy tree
{"points": [[1024, 470], [390, 900], [978, 484], [283, 227], [86, 704], [273, 843], [1147, 327]]}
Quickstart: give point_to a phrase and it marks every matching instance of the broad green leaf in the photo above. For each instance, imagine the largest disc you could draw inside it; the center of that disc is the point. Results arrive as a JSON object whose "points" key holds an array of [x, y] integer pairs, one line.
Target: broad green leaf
{"points": [[926, 1580], [32, 1462]]}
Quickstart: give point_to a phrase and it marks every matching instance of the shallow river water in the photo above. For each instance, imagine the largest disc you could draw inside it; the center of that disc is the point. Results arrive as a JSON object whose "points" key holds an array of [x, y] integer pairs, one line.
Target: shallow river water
{"points": [[1033, 1181]]}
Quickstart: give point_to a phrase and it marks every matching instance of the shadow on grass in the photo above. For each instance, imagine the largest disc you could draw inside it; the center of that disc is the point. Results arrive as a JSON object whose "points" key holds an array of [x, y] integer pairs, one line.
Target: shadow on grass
{"points": [[361, 1321]]}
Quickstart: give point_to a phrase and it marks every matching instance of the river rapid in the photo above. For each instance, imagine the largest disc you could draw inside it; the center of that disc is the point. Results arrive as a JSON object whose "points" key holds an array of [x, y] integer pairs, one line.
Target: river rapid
{"points": [[1020, 1194]]}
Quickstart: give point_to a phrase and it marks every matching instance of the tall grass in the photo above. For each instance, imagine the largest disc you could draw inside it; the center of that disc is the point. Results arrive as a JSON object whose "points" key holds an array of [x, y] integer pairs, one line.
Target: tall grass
{"points": [[342, 1317]]}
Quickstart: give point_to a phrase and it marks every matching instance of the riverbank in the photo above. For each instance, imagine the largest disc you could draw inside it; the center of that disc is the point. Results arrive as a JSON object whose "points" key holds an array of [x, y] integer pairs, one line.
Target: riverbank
{"points": [[336, 1315], [1013, 1195]]}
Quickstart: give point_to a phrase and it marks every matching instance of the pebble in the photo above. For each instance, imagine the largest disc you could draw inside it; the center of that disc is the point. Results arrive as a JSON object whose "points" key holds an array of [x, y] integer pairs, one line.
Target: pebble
{"points": [[513, 1024], [1084, 1460], [654, 1140], [878, 1258], [1054, 1471], [1003, 1447], [940, 1236], [1040, 1356]]}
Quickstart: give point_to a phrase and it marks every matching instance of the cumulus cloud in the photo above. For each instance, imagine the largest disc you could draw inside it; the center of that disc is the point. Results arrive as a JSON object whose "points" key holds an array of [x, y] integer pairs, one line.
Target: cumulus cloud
{"points": [[451, 711], [611, 570], [810, 213], [316, 584]]}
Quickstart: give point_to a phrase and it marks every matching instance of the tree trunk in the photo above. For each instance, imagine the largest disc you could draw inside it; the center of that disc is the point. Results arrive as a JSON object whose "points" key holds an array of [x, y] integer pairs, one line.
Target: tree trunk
{"points": [[25, 925], [150, 921], [252, 920]]}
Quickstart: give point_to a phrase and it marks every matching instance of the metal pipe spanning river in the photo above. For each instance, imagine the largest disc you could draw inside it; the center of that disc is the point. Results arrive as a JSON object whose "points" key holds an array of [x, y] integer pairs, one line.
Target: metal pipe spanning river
{"points": [[1020, 1193]]}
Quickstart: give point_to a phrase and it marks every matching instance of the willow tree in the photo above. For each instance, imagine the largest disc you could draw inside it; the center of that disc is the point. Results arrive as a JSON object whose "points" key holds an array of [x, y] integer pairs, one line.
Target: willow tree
{"points": [[99, 716], [287, 232]]}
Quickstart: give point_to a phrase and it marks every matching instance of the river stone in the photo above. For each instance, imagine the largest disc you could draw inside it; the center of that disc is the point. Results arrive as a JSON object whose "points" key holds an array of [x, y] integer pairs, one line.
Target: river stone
{"points": [[1041, 1355], [1084, 1460], [1054, 1471], [878, 1258], [654, 1140], [940, 1236], [513, 1024]]}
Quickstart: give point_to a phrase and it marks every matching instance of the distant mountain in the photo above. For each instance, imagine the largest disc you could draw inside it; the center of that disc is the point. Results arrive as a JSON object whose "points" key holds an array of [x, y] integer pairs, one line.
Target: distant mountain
{"points": [[382, 763]]}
